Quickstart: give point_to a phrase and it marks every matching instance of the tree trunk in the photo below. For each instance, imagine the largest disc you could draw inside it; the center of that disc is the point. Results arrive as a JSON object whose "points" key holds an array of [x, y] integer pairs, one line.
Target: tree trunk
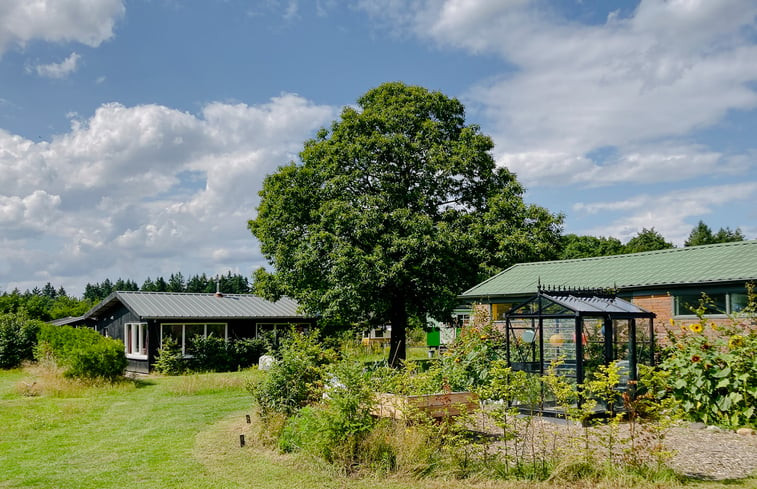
{"points": [[397, 342]]}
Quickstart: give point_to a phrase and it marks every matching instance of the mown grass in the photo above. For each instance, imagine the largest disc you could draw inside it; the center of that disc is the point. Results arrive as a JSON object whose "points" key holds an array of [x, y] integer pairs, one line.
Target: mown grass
{"points": [[168, 432], [103, 436]]}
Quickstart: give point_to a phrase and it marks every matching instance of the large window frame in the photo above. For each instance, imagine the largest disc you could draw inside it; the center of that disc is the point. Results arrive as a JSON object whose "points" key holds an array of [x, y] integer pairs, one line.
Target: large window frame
{"points": [[135, 340], [726, 302], [184, 343]]}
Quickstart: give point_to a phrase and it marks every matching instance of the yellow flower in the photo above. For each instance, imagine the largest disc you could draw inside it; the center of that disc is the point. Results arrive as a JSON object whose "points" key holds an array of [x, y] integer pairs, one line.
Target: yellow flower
{"points": [[735, 341], [696, 327], [672, 323]]}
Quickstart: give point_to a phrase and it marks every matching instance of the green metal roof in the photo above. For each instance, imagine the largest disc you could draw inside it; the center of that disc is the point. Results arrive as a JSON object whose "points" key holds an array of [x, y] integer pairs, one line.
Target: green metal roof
{"points": [[709, 264], [177, 305]]}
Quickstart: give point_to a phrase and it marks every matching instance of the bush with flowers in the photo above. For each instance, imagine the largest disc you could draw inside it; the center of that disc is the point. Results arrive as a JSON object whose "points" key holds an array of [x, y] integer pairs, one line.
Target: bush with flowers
{"points": [[714, 367]]}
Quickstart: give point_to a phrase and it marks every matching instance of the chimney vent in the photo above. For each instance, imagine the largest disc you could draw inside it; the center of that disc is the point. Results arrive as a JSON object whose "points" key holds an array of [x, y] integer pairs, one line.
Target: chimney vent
{"points": [[218, 287]]}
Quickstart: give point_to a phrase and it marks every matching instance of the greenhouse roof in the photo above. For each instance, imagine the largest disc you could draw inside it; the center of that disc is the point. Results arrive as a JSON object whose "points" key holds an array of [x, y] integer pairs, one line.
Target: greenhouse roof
{"points": [[578, 303]]}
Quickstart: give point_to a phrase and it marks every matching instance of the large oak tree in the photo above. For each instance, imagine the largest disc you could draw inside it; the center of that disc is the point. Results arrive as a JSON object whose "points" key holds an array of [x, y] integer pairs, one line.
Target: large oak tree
{"points": [[394, 212]]}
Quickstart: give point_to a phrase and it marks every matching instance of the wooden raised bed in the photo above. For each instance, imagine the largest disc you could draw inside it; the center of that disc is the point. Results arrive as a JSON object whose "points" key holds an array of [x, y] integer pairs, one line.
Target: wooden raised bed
{"points": [[433, 405]]}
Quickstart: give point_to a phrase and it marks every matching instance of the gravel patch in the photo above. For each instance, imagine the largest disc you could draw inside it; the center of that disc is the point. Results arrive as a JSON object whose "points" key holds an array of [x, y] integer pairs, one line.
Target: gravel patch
{"points": [[712, 454], [691, 449]]}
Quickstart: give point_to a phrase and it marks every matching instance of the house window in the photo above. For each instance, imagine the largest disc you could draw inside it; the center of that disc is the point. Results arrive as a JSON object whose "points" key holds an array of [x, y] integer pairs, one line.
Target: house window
{"points": [[499, 311], [135, 340], [183, 333], [720, 303], [737, 302]]}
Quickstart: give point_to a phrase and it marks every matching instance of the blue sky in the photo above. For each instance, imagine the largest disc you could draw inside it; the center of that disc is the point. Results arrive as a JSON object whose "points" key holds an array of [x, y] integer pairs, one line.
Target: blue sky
{"points": [[135, 134]]}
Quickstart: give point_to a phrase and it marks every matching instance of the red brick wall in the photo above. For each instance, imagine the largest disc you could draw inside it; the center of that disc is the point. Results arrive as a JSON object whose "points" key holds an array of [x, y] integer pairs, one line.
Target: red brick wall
{"points": [[662, 305]]}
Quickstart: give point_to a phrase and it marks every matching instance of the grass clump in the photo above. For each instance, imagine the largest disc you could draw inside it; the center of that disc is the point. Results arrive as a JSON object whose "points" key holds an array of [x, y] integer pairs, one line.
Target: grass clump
{"points": [[49, 380]]}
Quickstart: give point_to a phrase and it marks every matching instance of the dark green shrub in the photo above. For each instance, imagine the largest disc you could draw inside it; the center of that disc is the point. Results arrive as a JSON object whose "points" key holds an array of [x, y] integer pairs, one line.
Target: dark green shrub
{"points": [[18, 335], [104, 359], [246, 352], [209, 354], [170, 360], [83, 352]]}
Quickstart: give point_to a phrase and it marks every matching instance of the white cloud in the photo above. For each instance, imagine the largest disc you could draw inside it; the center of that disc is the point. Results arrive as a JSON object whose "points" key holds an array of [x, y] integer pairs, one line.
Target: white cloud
{"points": [[59, 70], [89, 22], [133, 188], [669, 213], [650, 163], [669, 68]]}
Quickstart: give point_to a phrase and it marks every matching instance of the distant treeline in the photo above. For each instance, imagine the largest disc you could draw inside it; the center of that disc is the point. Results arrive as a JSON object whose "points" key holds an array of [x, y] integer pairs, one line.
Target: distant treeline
{"points": [[228, 284], [49, 303], [575, 246]]}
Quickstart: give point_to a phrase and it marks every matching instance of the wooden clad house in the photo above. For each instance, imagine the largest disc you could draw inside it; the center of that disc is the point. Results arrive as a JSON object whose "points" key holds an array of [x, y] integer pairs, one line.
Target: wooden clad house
{"points": [[142, 319]]}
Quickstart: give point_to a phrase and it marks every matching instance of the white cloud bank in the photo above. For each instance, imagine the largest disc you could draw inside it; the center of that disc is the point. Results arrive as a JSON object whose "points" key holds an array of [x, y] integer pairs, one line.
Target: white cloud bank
{"points": [[58, 70], [89, 22], [668, 212], [137, 191], [669, 68]]}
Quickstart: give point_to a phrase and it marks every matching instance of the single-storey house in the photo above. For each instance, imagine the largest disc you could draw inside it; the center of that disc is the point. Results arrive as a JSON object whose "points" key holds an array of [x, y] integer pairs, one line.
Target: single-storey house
{"points": [[665, 282], [142, 319]]}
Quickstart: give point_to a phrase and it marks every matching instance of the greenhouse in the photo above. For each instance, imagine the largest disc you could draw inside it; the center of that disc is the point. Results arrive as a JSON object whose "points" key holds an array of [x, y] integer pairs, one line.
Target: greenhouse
{"points": [[577, 331]]}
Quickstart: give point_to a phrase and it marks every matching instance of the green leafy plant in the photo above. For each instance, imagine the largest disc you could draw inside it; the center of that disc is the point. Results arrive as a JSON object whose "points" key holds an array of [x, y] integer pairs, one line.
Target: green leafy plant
{"points": [[466, 364], [297, 379], [651, 413], [714, 367], [336, 428]]}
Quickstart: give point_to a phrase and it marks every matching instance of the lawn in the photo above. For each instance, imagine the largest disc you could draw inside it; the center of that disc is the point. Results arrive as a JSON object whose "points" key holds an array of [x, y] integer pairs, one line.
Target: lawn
{"points": [[158, 432]]}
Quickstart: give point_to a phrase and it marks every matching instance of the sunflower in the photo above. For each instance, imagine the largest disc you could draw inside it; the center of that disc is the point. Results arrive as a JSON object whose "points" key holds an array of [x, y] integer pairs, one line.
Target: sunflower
{"points": [[735, 341], [695, 358], [696, 327]]}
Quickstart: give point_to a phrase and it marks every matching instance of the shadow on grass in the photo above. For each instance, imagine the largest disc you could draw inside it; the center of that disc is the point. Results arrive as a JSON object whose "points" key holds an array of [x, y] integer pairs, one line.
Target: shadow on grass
{"points": [[142, 383]]}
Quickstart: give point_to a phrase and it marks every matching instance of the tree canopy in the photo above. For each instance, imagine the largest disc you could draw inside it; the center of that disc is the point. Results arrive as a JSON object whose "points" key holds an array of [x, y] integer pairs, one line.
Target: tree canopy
{"points": [[647, 240], [701, 234], [575, 246], [393, 212]]}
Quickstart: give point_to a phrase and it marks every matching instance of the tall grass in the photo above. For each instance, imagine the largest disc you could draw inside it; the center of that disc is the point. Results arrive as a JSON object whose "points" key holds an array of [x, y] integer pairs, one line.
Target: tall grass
{"points": [[196, 384], [48, 380]]}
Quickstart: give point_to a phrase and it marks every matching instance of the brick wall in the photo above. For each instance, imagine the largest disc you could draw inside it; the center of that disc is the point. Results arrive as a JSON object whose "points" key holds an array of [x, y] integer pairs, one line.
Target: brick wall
{"points": [[662, 305]]}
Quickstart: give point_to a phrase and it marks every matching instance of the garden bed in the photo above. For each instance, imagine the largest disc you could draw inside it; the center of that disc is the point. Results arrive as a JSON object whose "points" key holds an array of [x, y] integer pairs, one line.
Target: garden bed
{"points": [[434, 405]]}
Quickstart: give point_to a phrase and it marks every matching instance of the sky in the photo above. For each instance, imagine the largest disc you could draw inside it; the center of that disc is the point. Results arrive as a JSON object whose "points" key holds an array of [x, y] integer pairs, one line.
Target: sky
{"points": [[135, 134]]}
